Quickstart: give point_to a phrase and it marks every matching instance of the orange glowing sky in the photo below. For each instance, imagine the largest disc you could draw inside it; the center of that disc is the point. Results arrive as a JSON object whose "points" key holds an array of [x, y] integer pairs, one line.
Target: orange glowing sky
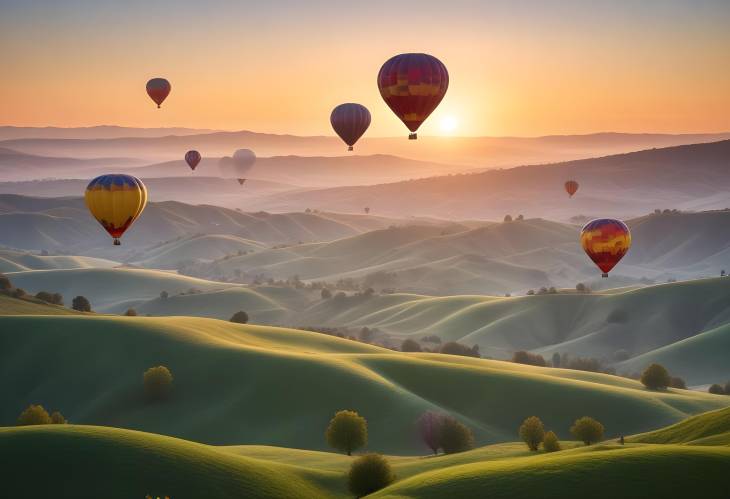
{"points": [[544, 67]]}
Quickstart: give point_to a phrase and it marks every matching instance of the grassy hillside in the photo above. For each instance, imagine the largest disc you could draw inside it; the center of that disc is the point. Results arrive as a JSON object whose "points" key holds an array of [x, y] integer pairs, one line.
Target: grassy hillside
{"points": [[16, 261], [240, 384], [206, 247], [30, 306], [710, 428]]}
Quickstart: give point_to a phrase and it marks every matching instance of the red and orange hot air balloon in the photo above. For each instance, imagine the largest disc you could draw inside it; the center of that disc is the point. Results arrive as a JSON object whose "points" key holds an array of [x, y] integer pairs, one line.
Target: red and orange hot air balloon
{"points": [[350, 121], [605, 241], [158, 89], [571, 187], [192, 158], [413, 85]]}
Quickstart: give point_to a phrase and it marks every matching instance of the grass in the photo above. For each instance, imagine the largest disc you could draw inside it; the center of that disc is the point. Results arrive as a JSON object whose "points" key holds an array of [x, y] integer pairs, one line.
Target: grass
{"points": [[30, 306], [710, 428]]}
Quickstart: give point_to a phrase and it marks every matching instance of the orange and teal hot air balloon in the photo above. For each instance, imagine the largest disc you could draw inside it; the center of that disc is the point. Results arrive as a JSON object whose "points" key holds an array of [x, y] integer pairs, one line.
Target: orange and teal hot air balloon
{"points": [[413, 85], [116, 201], [605, 241], [571, 187]]}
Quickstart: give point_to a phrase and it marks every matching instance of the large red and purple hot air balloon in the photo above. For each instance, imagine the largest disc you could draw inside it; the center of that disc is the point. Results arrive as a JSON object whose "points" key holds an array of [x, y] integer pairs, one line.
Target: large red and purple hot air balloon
{"points": [[192, 158], [605, 241], [413, 85], [158, 89], [350, 121]]}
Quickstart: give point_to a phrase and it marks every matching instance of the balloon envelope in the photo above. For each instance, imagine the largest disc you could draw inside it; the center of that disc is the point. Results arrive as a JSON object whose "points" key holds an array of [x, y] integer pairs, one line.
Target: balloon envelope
{"points": [[158, 89], [116, 201], [243, 160], [350, 121], [605, 241], [192, 158], [413, 85], [571, 186]]}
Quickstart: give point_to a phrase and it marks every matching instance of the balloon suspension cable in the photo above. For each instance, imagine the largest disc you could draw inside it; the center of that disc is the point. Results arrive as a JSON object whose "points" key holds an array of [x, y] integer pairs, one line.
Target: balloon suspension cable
{"points": [[604, 275], [349, 148], [117, 242], [412, 136]]}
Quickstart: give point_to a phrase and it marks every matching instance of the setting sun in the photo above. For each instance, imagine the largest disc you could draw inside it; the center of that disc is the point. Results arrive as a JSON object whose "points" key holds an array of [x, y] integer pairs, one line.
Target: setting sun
{"points": [[448, 124]]}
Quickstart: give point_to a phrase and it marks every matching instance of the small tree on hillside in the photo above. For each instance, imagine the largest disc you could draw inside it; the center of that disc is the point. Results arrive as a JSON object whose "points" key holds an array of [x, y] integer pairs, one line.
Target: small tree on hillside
{"points": [[532, 432], [410, 345], [368, 474], [347, 431], [656, 377], [164, 295], [131, 312], [455, 436], [429, 426], [508, 218], [5, 283], [240, 317], [57, 418], [716, 389], [587, 430], [81, 304], [677, 382], [551, 443], [34, 415], [157, 383]]}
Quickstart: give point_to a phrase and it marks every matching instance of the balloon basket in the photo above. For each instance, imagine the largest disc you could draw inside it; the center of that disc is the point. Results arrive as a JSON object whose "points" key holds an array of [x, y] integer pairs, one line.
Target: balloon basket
{"points": [[117, 242], [604, 275], [412, 136], [349, 148]]}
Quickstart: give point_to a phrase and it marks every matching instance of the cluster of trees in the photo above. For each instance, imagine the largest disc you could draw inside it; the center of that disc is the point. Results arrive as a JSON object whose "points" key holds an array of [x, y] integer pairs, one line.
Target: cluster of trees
{"points": [[542, 291], [657, 377], [37, 414], [52, 298], [442, 431], [7, 288], [508, 218], [532, 432], [718, 389]]}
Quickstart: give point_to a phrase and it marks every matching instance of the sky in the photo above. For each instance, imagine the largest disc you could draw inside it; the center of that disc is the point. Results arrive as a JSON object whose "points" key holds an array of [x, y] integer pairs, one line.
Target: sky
{"points": [[517, 68]]}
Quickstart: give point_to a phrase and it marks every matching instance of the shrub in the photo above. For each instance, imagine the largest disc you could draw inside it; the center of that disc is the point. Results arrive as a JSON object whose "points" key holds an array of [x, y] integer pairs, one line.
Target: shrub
{"points": [[580, 287], [589, 364], [532, 432], [587, 430], [131, 312], [326, 294], [54, 298], [528, 358], [5, 283], [454, 348], [551, 443], [677, 382], [57, 418], [164, 295], [531, 292], [240, 317], [656, 377], [716, 389], [19, 293], [157, 383], [33, 415], [347, 431], [508, 218], [429, 429], [81, 304], [410, 345], [455, 436], [368, 474]]}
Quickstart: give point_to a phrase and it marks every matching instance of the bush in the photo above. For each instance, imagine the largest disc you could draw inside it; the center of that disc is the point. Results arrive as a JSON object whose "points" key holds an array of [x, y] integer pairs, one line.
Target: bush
{"points": [[57, 418], [157, 383], [326, 294], [347, 431], [532, 432], [587, 430], [5, 283], [81, 304], [240, 317], [164, 295], [368, 474], [53, 298], [33, 415], [676, 382], [508, 218], [455, 436], [716, 389], [589, 364], [454, 348], [429, 429], [410, 345], [528, 358], [531, 292], [19, 293], [131, 312], [551, 443], [656, 377]]}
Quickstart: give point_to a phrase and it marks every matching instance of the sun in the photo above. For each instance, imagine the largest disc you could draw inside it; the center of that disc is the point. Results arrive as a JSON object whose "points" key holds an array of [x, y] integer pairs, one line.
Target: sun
{"points": [[448, 124]]}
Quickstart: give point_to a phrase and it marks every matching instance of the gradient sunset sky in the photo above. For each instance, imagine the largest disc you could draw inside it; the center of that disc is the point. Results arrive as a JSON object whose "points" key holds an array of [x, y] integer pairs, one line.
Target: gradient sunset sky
{"points": [[517, 67]]}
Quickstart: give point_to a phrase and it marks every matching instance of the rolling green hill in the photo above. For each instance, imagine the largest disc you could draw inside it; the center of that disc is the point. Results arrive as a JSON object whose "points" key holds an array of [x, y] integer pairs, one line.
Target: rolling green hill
{"points": [[30, 306], [16, 261], [709, 428], [242, 384]]}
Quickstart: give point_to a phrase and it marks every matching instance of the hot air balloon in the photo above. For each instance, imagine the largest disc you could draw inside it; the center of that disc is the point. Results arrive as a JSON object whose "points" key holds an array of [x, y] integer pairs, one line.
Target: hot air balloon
{"points": [[192, 158], [413, 85], [116, 201], [605, 241], [241, 181], [350, 121], [158, 89], [571, 186]]}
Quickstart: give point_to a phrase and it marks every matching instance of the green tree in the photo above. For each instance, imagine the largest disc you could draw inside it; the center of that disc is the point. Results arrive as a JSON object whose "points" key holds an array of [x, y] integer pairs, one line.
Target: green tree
{"points": [[368, 474], [131, 312], [455, 436], [677, 382], [33, 415], [157, 383], [551, 443], [347, 431], [240, 317], [656, 377], [716, 389], [532, 432], [57, 418], [81, 304], [410, 345], [587, 430], [5, 283]]}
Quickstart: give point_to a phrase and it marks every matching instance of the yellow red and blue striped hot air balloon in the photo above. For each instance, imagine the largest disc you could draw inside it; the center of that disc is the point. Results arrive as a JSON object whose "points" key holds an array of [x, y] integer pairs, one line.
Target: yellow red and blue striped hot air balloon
{"points": [[116, 201], [605, 241]]}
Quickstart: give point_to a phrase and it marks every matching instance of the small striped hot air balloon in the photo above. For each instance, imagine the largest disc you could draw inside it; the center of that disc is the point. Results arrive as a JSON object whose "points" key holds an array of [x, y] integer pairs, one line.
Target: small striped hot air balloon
{"points": [[158, 89], [413, 85], [605, 241], [571, 187], [350, 121], [192, 158], [116, 201]]}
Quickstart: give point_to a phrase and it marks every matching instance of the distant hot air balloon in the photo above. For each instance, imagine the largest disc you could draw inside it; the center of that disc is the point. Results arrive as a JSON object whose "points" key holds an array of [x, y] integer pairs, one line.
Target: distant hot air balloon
{"points": [[413, 85], [350, 121], [241, 181], [605, 241], [571, 186], [116, 201], [158, 89], [192, 158]]}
